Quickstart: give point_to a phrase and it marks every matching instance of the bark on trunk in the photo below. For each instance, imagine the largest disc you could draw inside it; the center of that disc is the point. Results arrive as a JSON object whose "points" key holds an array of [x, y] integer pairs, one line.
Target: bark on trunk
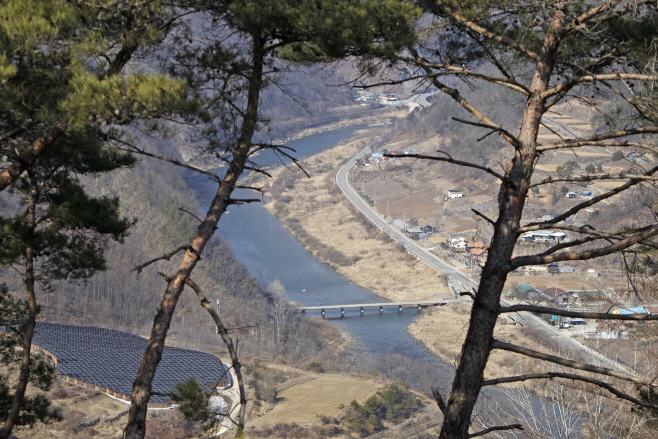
{"points": [[24, 375], [136, 428], [511, 200], [27, 159]]}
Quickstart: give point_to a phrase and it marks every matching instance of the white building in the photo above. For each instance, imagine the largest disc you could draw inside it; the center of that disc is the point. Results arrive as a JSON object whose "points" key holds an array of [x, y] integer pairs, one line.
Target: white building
{"points": [[544, 235], [454, 193]]}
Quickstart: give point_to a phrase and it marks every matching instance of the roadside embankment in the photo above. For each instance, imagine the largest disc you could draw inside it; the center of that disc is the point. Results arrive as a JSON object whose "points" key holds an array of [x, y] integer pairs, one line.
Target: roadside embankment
{"points": [[325, 222]]}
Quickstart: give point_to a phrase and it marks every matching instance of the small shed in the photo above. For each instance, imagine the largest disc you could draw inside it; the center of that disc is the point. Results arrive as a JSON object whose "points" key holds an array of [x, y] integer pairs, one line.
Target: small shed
{"points": [[547, 218], [571, 195], [524, 292], [414, 231], [454, 193], [429, 230], [377, 155]]}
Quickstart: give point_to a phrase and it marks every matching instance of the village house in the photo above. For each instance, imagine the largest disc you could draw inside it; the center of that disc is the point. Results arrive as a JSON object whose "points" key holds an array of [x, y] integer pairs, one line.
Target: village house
{"points": [[479, 254], [561, 297], [571, 195], [457, 241]]}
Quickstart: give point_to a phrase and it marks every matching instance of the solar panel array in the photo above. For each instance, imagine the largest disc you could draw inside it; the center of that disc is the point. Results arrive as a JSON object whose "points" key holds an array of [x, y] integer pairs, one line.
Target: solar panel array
{"points": [[109, 358]]}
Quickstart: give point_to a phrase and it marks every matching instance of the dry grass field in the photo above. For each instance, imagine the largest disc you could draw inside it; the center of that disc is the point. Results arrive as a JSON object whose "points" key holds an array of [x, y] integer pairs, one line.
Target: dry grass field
{"points": [[306, 402], [443, 330]]}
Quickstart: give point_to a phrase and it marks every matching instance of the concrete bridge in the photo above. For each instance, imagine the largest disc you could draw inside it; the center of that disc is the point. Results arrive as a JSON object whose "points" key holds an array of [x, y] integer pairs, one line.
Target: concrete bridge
{"points": [[381, 305]]}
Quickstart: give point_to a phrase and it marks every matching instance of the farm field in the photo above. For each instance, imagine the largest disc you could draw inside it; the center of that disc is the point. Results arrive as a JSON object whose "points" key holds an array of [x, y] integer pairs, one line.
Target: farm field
{"points": [[306, 402]]}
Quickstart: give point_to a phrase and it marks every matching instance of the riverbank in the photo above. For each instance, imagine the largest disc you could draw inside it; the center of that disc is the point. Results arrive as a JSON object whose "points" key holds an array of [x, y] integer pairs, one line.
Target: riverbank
{"points": [[443, 330], [318, 215]]}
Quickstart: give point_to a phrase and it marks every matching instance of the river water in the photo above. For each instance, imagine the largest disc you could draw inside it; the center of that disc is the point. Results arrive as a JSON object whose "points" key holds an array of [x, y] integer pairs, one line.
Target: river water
{"points": [[269, 252]]}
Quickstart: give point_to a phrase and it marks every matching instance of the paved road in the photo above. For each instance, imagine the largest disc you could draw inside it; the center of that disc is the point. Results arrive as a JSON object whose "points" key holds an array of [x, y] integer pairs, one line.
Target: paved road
{"points": [[528, 319]]}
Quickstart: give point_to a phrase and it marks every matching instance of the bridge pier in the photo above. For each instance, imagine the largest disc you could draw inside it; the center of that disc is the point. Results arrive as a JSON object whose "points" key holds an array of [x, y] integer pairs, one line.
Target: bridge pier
{"points": [[381, 310], [420, 308], [399, 308], [323, 313], [303, 312], [362, 311], [342, 312]]}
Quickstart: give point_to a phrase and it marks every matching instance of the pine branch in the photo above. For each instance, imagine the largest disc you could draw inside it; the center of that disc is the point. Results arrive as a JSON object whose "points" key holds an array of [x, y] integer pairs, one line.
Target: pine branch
{"points": [[232, 349], [568, 244], [498, 428], [587, 230], [637, 238], [551, 375], [585, 141], [594, 78], [439, 400], [483, 216], [576, 314], [459, 18], [191, 214], [166, 256], [456, 96], [619, 176], [449, 159], [497, 344], [172, 161], [595, 200], [29, 157], [601, 144], [449, 69]]}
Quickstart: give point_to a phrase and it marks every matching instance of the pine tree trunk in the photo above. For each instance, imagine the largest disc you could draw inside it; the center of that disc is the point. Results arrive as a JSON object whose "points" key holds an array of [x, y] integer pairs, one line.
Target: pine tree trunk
{"points": [[511, 200], [141, 393], [24, 374]]}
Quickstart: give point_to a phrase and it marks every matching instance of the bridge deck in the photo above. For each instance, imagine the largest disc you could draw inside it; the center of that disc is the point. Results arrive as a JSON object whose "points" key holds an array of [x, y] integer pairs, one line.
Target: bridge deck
{"points": [[368, 305]]}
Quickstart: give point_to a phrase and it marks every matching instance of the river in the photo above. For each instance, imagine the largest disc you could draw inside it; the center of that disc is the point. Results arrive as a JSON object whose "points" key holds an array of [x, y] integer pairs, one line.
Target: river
{"points": [[269, 251]]}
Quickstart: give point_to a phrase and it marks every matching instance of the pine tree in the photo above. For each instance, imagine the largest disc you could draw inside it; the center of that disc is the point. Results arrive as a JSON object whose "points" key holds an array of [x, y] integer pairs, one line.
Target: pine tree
{"points": [[13, 319], [242, 50], [62, 73], [62, 234], [545, 53]]}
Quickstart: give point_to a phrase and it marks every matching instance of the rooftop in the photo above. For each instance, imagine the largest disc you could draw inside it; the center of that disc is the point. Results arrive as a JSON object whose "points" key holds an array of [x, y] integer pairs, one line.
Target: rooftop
{"points": [[109, 358]]}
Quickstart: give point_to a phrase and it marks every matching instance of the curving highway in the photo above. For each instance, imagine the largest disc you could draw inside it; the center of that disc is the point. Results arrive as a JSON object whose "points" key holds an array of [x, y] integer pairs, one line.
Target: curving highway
{"points": [[526, 318]]}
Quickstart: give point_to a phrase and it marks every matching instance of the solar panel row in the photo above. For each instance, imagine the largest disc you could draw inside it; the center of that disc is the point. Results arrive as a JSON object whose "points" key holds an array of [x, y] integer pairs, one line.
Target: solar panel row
{"points": [[109, 358]]}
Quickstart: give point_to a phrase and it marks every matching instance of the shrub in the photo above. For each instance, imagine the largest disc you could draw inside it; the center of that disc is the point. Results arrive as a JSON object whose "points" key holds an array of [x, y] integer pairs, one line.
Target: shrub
{"points": [[617, 155], [271, 394], [395, 403]]}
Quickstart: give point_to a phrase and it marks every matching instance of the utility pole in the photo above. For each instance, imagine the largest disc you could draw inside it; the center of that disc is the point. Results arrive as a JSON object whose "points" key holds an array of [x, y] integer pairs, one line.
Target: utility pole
{"points": [[374, 196], [388, 213]]}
